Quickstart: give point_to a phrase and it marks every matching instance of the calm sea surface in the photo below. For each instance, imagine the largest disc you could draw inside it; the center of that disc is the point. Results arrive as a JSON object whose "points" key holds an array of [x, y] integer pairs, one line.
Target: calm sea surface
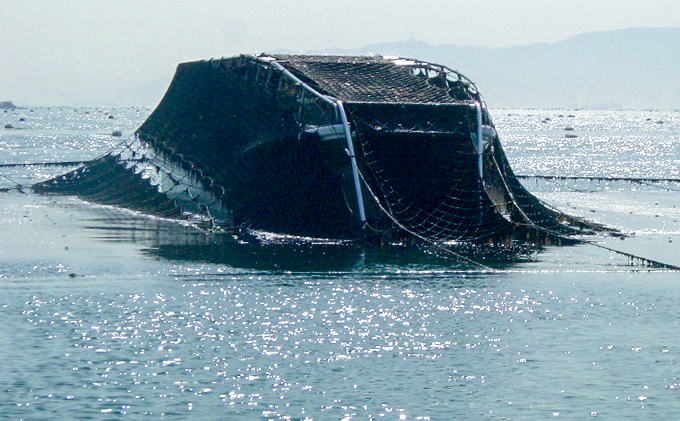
{"points": [[109, 314]]}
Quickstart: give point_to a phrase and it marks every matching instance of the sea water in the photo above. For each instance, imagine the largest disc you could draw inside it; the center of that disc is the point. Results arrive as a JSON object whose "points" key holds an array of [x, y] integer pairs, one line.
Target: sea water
{"points": [[109, 314]]}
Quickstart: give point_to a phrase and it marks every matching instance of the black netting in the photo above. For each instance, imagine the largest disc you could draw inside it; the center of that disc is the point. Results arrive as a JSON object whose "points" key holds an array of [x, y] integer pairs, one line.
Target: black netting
{"points": [[373, 79], [425, 170], [232, 130], [262, 143], [522, 206]]}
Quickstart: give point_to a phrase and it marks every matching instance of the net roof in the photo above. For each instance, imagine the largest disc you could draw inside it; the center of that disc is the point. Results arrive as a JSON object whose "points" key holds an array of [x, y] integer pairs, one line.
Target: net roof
{"points": [[369, 79]]}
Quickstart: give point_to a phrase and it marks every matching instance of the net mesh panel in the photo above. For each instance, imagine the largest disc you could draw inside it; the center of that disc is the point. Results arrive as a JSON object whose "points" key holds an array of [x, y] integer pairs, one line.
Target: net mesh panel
{"points": [[514, 200], [230, 131], [424, 165], [374, 79], [133, 189], [239, 142]]}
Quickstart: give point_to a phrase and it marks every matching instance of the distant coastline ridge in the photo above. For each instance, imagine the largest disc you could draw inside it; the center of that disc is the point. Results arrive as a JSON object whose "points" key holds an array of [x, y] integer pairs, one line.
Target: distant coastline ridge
{"points": [[7, 105], [633, 68], [623, 68]]}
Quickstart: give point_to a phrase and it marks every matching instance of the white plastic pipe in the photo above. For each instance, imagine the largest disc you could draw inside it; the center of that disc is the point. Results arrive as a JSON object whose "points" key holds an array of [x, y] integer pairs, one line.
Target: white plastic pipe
{"points": [[353, 159], [480, 141]]}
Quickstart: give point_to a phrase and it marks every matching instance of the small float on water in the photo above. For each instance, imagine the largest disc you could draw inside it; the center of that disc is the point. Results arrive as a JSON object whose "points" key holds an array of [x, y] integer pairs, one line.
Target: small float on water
{"points": [[340, 147]]}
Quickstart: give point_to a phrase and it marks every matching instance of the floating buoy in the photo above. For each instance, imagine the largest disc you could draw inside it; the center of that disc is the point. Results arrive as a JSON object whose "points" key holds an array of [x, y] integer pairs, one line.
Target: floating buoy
{"points": [[22, 119], [568, 128], [570, 136], [110, 116], [117, 133]]}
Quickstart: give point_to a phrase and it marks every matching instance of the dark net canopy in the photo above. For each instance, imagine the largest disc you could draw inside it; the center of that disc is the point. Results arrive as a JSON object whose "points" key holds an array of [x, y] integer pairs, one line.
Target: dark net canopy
{"points": [[323, 146]]}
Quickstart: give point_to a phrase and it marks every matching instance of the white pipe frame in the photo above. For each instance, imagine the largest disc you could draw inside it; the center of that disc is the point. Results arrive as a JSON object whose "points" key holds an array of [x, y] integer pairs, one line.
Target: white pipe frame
{"points": [[342, 115], [339, 107], [480, 141], [353, 159]]}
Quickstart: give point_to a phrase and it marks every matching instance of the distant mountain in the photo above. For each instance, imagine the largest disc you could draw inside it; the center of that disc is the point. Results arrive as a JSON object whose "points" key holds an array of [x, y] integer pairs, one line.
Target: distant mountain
{"points": [[629, 68]]}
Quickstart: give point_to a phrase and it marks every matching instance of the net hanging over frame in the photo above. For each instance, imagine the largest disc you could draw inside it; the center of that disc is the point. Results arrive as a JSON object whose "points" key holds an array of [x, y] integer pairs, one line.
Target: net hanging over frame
{"points": [[339, 147]]}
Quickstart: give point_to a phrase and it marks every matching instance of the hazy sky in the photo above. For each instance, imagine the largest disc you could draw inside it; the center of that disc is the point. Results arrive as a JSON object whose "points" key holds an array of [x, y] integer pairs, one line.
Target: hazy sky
{"points": [[78, 51]]}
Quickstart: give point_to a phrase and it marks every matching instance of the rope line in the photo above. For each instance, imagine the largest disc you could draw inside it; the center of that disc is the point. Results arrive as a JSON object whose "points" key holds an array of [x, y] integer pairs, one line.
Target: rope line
{"points": [[17, 186], [44, 164], [419, 236], [599, 178], [653, 263]]}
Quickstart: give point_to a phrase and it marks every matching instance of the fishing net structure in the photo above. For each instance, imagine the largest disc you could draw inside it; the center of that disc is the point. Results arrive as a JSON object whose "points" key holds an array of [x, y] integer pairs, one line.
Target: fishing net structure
{"points": [[339, 147]]}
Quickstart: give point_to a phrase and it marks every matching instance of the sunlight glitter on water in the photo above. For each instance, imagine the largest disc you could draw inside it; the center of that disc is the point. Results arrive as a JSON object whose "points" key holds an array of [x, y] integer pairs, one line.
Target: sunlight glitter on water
{"points": [[107, 313], [256, 346], [613, 143]]}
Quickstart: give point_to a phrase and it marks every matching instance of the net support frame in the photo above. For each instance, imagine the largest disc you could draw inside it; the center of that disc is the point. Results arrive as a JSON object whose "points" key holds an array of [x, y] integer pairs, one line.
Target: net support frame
{"points": [[340, 112], [353, 159], [480, 156], [480, 141]]}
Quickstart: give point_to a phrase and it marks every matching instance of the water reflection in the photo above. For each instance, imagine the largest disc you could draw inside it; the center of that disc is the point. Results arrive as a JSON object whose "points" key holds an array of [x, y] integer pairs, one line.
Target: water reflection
{"points": [[173, 241]]}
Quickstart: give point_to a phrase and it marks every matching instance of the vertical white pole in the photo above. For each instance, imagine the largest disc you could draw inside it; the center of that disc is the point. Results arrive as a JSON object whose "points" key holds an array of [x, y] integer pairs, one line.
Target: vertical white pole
{"points": [[353, 159], [480, 158], [480, 141]]}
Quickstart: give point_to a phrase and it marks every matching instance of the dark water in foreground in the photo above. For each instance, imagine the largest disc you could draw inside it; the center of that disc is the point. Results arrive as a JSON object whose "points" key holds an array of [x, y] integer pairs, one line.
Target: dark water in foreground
{"points": [[107, 314]]}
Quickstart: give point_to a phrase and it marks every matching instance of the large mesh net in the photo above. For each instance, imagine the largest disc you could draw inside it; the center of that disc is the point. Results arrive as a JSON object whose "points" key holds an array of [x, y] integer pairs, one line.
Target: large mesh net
{"points": [[323, 146]]}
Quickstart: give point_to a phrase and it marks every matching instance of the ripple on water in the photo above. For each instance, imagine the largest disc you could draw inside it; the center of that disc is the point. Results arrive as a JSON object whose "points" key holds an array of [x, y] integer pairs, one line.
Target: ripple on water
{"points": [[153, 326], [326, 347]]}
